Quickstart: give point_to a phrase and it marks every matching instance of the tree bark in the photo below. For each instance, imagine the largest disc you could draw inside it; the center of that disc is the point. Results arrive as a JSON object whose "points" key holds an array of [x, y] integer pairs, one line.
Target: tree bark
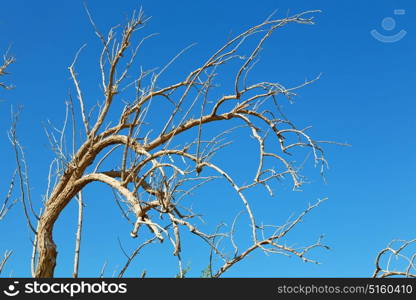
{"points": [[46, 246]]}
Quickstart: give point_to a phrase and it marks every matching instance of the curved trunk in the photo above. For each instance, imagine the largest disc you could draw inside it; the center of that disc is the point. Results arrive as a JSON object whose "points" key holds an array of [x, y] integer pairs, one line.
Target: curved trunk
{"points": [[46, 246]]}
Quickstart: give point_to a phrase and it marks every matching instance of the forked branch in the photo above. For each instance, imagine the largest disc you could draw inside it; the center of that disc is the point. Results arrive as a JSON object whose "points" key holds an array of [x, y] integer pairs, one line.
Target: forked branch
{"points": [[398, 259], [152, 167]]}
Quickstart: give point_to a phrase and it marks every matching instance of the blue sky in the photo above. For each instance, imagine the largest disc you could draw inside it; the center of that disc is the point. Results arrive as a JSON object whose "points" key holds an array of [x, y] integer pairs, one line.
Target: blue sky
{"points": [[365, 97]]}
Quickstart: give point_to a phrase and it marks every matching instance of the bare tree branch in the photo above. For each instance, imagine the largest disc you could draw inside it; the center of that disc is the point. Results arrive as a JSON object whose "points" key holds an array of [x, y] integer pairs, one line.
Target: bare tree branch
{"points": [[79, 93], [22, 172], [276, 247], [7, 61], [153, 172], [78, 235], [134, 254], [398, 259], [6, 256], [7, 205]]}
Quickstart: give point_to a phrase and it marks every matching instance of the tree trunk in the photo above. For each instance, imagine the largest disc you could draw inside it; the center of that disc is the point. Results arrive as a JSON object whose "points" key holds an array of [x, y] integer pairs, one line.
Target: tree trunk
{"points": [[46, 247]]}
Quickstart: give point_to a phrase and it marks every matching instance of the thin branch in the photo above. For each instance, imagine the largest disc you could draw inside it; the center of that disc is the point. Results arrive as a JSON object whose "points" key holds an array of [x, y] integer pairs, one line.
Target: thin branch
{"points": [[78, 235], [6, 206], [6, 256], [79, 93], [20, 171]]}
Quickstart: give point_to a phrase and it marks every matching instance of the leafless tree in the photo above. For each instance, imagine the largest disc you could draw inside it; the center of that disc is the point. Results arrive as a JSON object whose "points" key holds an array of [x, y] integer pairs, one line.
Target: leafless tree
{"points": [[153, 171], [398, 259]]}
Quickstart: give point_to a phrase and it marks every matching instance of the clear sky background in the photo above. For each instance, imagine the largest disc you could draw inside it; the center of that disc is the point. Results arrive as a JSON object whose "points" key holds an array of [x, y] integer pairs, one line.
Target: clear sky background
{"points": [[365, 97]]}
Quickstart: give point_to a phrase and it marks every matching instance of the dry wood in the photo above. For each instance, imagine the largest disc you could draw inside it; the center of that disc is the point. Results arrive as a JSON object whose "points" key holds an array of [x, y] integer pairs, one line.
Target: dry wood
{"points": [[154, 172]]}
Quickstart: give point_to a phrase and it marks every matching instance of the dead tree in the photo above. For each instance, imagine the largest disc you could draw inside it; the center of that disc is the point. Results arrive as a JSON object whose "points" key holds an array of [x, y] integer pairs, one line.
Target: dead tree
{"points": [[154, 170]]}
